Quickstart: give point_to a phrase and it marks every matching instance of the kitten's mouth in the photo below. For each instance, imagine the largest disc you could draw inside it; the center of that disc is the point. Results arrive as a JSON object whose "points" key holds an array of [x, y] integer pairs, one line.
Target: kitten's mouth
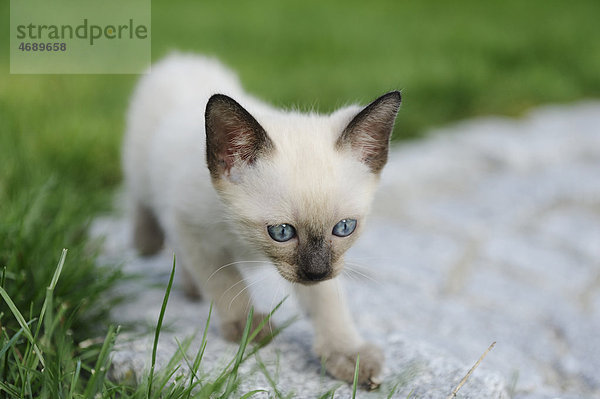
{"points": [[299, 276], [310, 282], [313, 278]]}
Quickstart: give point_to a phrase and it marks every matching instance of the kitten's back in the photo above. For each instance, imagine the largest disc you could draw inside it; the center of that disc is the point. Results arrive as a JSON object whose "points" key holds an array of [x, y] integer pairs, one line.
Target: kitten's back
{"points": [[179, 81]]}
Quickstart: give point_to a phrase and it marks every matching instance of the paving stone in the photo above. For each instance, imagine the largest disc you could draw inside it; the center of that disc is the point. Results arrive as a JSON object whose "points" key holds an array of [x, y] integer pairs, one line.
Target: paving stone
{"points": [[487, 230]]}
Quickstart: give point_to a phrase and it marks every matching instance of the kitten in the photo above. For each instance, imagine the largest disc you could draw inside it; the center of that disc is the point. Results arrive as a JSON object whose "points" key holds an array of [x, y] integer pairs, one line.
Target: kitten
{"points": [[289, 187]]}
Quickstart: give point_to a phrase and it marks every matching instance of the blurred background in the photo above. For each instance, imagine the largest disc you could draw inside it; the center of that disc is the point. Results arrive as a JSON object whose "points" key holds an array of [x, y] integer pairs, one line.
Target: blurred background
{"points": [[60, 135]]}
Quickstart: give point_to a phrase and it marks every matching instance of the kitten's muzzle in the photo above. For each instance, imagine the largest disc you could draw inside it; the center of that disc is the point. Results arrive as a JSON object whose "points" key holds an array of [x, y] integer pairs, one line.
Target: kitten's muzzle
{"points": [[313, 277], [314, 261]]}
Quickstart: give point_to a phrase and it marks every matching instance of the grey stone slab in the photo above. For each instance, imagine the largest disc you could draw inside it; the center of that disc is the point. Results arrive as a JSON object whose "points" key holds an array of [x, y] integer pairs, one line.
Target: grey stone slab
{"points": [[488, 230]]}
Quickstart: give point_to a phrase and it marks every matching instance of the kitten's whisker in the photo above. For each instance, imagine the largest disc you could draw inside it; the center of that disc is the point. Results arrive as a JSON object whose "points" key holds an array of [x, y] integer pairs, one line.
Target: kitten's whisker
{"points": [[231, 264], [244, 289], [347, 273], [339, 293], [361, 265], [373, 258], [366, 276], [242, 280], [358, 278], [349, 268]]}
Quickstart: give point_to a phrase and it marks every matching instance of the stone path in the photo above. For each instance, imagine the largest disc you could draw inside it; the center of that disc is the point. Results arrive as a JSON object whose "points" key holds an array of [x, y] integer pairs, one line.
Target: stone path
{"points": [[488, 230]]}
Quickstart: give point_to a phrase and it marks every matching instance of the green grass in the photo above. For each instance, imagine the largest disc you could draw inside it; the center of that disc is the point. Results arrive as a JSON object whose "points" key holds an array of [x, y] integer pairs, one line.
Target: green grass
{"points": [[40, 363], [60, 135]]}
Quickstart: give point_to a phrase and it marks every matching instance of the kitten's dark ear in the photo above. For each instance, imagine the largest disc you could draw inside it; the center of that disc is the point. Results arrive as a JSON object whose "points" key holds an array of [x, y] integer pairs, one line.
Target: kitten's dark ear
{"points": [[233, 136], [368, 134]]}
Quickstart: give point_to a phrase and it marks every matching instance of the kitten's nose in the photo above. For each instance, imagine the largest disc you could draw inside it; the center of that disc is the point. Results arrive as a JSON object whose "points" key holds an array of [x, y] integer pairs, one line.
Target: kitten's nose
{"points": [[316, 276], [314, 259]]}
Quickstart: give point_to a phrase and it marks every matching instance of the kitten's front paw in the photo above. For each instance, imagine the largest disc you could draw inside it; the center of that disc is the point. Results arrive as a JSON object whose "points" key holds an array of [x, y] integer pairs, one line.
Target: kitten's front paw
{"points": [[341, 365], [234, 330]]}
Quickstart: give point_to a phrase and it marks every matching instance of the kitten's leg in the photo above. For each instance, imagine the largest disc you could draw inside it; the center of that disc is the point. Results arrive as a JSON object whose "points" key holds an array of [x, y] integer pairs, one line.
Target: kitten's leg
{"points": [[336, 339], [191, 289], [204, 259], [148, 236]]}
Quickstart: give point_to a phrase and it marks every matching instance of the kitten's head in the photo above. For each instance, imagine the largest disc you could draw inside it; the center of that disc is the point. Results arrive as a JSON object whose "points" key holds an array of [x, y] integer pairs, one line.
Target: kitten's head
{"points": [[299, 186]]}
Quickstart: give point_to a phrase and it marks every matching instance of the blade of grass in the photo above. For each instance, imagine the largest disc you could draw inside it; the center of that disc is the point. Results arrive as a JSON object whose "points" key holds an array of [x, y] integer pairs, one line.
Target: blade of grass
{"points": [[466, 377], [268, 376], [58, 271], [224, 376], [159, 326], [182, 349], [355, 382], [11, 341], [74, 379], [47, 306], [274, 334], [9, 389], [200, 353], [264, 321], [252, 393], [329, 394], [102, 363], [239, 356], [166, 377], [393, 391], [23, 323]]}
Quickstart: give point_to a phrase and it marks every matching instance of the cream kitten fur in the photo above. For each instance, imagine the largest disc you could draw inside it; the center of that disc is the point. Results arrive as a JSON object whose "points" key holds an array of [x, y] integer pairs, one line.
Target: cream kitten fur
{"points": [[280, 185]]}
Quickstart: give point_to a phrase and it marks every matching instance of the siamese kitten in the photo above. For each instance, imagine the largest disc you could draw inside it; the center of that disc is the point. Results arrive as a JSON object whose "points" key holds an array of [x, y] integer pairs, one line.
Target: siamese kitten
{"points": [[225, 177]]}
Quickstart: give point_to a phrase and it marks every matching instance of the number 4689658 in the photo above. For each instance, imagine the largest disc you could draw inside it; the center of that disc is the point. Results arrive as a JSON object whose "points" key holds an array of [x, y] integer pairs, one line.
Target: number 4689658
{"points": [[43, 46]]}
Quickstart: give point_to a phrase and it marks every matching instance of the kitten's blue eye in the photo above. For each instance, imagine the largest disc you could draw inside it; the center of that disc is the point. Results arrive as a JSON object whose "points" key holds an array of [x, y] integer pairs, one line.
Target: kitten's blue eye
{"points": [[344, 228], [282, 232]]}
